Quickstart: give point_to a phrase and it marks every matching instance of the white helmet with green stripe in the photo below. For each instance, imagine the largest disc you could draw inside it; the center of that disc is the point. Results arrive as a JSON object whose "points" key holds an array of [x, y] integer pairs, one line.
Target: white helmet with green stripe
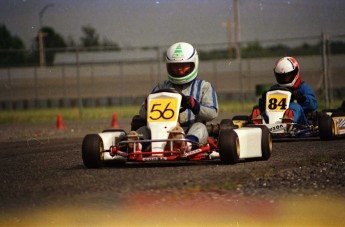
{"points": [[182, 63]]}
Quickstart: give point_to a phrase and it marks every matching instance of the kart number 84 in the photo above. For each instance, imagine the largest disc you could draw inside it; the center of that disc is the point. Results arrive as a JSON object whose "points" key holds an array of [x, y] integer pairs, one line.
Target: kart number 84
{"points": [[277, 102]]}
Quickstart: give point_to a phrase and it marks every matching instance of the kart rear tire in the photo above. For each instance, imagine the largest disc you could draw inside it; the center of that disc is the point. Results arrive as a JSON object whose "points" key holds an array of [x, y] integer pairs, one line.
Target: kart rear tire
{"points": [[326, 127], [93, 151], [266, 141], [241, 118], [226, 124], [229, 146]]}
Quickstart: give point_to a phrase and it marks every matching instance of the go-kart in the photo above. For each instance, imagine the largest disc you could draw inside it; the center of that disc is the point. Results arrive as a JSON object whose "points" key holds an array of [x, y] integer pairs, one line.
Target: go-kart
{"points": [[327, 124], [226, 142]]}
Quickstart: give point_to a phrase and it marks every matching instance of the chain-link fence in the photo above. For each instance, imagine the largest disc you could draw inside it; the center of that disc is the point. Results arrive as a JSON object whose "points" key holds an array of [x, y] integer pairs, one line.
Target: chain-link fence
{"points": [[102, 77]]}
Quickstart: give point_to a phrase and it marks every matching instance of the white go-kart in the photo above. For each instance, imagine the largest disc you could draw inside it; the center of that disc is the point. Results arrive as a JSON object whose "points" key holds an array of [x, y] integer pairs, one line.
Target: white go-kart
{"points": [[327, 124], [227, 142]]}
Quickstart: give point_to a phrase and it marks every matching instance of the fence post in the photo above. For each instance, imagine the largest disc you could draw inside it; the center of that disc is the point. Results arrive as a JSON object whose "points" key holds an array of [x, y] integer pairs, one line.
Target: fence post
{"points": [[329, 71], [10, 92], [37, 105], [80, 103], [64, 85], [215, 73], [122, 79], [325, 69], [158, 63]]}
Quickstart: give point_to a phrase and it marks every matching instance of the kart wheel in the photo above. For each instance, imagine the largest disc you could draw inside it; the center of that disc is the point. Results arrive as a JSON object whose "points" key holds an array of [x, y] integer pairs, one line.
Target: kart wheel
{"points": [[226, 124], [266, 141], [93, 151], [114, 130], [326, 127], [241, 120], [137, 122], [229, 146], [245, 118]]}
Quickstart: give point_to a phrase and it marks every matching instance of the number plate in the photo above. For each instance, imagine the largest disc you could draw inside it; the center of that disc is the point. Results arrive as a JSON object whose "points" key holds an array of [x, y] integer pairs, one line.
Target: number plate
{"points": [[162, 110], [276, 102]]}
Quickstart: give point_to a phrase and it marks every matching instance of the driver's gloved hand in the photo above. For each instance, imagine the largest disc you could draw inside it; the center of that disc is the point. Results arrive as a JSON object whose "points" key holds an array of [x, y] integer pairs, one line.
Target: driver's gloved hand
{"points": [[190, 103], [297, 95]]}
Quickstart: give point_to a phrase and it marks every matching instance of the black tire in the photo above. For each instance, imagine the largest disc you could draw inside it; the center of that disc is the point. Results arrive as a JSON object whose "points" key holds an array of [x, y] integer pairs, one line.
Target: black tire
{"points": [[338, 113], [241, 118], [342, 107], [137, 122], [266, 141], [226, 124], [229, 146], [326, 127], [93, 151], [114, 130]]}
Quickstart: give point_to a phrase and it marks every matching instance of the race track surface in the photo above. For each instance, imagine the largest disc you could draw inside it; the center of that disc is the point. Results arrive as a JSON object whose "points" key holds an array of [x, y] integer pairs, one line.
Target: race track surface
{"points": [[44, 183]]}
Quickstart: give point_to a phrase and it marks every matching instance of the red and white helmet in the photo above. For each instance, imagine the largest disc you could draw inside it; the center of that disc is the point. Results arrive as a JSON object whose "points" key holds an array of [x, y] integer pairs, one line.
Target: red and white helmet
{"points": [[286, 71]]}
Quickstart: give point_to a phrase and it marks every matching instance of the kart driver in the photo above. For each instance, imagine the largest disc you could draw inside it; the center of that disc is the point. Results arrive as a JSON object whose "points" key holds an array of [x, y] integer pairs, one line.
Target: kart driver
{"points": [[303, 101], [200, 97]]}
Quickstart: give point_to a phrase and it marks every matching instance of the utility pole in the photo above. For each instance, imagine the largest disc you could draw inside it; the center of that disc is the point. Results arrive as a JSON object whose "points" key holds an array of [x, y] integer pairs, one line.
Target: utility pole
{"points": [[41, 35], [229, 27], [325, 69], [237, 29], [41, 47], [238, 49]]}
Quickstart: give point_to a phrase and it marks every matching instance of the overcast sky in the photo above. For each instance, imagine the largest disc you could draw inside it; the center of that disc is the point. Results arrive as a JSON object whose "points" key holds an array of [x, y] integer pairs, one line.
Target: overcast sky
{"points": [[163, 22]]}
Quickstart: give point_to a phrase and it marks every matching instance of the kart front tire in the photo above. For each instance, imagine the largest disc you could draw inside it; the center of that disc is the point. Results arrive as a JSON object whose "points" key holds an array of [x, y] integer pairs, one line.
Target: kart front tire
{"points": [[93, 151], [229, 146], [326, 127]]}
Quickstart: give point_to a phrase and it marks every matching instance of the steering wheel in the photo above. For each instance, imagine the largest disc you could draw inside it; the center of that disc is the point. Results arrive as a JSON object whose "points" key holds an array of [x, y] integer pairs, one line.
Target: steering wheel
{"points": [[173, 90], [279, 88]]}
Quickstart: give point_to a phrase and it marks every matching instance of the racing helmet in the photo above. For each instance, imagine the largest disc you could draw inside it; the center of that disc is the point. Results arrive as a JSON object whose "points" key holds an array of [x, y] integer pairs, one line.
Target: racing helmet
{"points": [[182, 63], [286, 71]]}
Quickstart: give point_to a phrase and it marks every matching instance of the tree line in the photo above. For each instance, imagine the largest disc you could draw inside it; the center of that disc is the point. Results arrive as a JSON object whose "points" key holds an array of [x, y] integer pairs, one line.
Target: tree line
{"points": [[13, 52], [256, 50]]}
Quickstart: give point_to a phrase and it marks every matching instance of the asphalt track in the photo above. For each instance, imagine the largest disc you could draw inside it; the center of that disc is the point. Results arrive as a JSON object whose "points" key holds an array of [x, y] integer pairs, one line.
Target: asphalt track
{"points": [[44, 183]]}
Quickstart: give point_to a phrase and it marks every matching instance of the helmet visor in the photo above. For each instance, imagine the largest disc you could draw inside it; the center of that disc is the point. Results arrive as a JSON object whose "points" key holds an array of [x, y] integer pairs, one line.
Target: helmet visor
{"points": [[286, 78], [179, 70]]}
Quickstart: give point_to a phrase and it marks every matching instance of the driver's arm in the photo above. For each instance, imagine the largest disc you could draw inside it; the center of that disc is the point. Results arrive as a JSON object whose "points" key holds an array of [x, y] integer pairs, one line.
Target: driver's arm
{"points": [[208, 102]]}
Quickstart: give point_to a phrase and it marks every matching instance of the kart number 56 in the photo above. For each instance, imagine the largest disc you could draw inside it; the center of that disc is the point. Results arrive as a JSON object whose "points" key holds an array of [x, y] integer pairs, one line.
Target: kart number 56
{"points": [[162, 110]]}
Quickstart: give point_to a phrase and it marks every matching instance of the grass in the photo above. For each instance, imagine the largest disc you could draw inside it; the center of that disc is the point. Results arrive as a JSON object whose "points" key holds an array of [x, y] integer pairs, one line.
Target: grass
{"points": [[69, 114], [226, 108]]}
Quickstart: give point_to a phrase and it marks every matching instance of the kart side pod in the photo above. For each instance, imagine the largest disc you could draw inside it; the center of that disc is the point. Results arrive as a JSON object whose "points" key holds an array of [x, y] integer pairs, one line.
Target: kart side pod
{"points": [[253, 141], [110, 138]]}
